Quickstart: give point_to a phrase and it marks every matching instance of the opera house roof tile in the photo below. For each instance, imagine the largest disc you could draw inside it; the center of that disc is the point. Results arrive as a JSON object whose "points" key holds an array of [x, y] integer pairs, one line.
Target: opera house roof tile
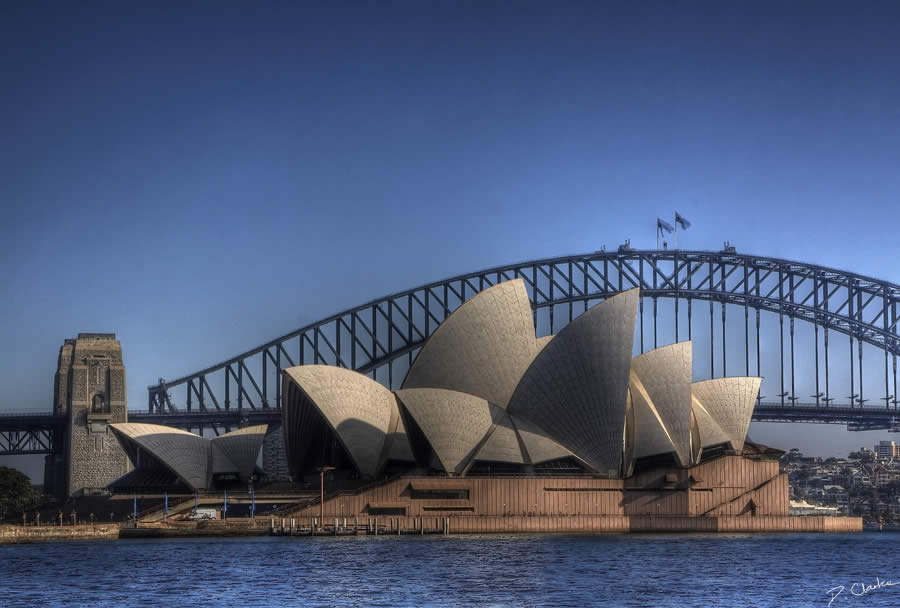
{"points": [[397, 442], [542, 342], [538, 446], [664, 377], [186, 454], [710, 431], [502, 443], [482, 348], [241, 447], [730, 402], [650, 434], [576, 388], [454, 423], [357, 409]]}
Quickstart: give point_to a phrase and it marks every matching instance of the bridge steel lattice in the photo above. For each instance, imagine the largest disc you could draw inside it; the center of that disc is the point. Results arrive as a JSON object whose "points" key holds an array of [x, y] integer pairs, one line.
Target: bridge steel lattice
{"points": [[381, 338], [28, 433]]}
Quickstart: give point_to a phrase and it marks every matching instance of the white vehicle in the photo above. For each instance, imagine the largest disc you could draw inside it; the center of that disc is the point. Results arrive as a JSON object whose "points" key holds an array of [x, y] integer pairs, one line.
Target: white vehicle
{"points": [[202, 514]]}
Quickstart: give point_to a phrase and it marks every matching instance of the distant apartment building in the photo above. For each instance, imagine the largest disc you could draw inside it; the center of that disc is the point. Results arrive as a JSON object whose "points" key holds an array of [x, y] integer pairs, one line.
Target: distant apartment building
{"points": [[836, 495], [884, 477], [887, 450], [860, 478]]}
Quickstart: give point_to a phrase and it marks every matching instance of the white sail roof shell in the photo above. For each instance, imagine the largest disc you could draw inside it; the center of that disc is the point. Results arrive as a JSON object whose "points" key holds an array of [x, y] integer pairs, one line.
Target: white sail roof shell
{"points": [[538, 446], [730, 403], [241, 448], [482, 348], [185, 454], [664, 376], [454, 423], [502, 444], [576, 389], [357, 408], [650, 436]]}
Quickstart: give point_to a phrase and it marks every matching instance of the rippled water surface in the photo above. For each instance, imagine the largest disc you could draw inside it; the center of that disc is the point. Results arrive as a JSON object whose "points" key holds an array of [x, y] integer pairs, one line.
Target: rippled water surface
{"points": [[610, 570]]}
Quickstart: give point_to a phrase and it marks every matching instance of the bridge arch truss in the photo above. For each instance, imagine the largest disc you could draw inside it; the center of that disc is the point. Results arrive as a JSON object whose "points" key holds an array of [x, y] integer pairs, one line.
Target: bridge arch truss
{"points": [[381, 338]]}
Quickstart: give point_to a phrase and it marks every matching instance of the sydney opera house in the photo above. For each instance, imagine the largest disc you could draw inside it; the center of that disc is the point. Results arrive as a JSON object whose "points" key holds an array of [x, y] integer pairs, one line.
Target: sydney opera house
{"points": [[503, 430]]}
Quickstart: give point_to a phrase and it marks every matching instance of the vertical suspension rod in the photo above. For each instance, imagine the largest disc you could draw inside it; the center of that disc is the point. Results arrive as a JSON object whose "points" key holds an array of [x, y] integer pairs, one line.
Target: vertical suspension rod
{"points": [[724, 360], [896, 399], [850, 341], [781, 329], [712, 344], [859, 312], [756, 288], [816, 329], [746, 339], [884, 312], [654, 300], [793, 382], [676, 320], [724, 337], [746, 320], [552, 306], [675, 283], [825, 343]]}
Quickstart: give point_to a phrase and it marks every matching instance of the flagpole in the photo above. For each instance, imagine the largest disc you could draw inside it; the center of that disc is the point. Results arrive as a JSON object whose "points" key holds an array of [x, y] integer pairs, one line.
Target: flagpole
{"points": [[676, 231]]}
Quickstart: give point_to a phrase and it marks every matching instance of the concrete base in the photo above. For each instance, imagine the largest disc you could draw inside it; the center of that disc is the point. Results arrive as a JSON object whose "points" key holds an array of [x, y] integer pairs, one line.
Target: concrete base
{"points": [[573, 524], [731, 493]]}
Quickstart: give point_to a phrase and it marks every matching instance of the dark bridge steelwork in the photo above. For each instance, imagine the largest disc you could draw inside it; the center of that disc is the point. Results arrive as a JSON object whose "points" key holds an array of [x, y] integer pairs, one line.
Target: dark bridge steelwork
{"points": [[43, 433], [31, 433], [381, 337], [23, 433]]}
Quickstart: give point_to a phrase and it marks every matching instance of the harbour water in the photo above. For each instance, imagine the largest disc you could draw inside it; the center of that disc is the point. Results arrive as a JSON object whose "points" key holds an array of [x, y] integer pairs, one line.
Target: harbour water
{"points": [[628, 570]]}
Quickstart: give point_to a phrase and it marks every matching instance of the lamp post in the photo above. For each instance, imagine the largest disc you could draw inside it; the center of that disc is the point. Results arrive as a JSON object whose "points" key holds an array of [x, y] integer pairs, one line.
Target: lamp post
{"points": [[322, 471]]}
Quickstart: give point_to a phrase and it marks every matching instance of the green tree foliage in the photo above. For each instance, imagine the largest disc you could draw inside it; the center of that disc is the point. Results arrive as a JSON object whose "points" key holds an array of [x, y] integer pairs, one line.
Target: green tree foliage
{"points": [[16, 494]]}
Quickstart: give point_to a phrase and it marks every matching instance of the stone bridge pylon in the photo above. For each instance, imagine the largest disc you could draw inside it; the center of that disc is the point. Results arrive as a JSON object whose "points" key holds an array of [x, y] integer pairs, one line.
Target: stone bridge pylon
{"points": [[89, 389]]}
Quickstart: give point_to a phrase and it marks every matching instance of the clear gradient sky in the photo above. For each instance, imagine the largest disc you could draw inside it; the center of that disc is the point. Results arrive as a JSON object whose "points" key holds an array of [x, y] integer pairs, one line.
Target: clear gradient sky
{"points": [[201, 179]]}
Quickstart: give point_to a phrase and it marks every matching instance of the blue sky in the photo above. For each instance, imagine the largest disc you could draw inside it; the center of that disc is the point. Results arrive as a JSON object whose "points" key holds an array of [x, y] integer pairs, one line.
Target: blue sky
{"points": [[200, 179]]}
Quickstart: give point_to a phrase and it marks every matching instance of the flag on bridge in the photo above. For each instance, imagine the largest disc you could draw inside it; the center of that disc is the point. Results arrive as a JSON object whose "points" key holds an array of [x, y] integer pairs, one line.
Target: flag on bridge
{"points": [[662, 227], [682, 221]]}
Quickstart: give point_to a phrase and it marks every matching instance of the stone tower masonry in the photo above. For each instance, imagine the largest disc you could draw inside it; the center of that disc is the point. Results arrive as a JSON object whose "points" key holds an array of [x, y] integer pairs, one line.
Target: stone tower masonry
{"points": [[89, 389]]}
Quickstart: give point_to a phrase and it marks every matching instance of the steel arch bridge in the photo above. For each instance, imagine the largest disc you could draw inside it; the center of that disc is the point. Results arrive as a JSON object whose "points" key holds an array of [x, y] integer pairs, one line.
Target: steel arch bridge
{"points": [[381, 338]]}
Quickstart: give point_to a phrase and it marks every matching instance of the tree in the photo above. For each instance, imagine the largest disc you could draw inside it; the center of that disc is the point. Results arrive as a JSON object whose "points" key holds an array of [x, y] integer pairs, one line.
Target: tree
{"points": [[802, 474], [16, 493]]}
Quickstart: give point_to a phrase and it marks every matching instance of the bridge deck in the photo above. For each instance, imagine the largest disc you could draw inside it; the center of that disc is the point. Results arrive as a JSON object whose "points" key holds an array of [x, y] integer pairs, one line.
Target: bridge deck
{"points": [[41, 432]]}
